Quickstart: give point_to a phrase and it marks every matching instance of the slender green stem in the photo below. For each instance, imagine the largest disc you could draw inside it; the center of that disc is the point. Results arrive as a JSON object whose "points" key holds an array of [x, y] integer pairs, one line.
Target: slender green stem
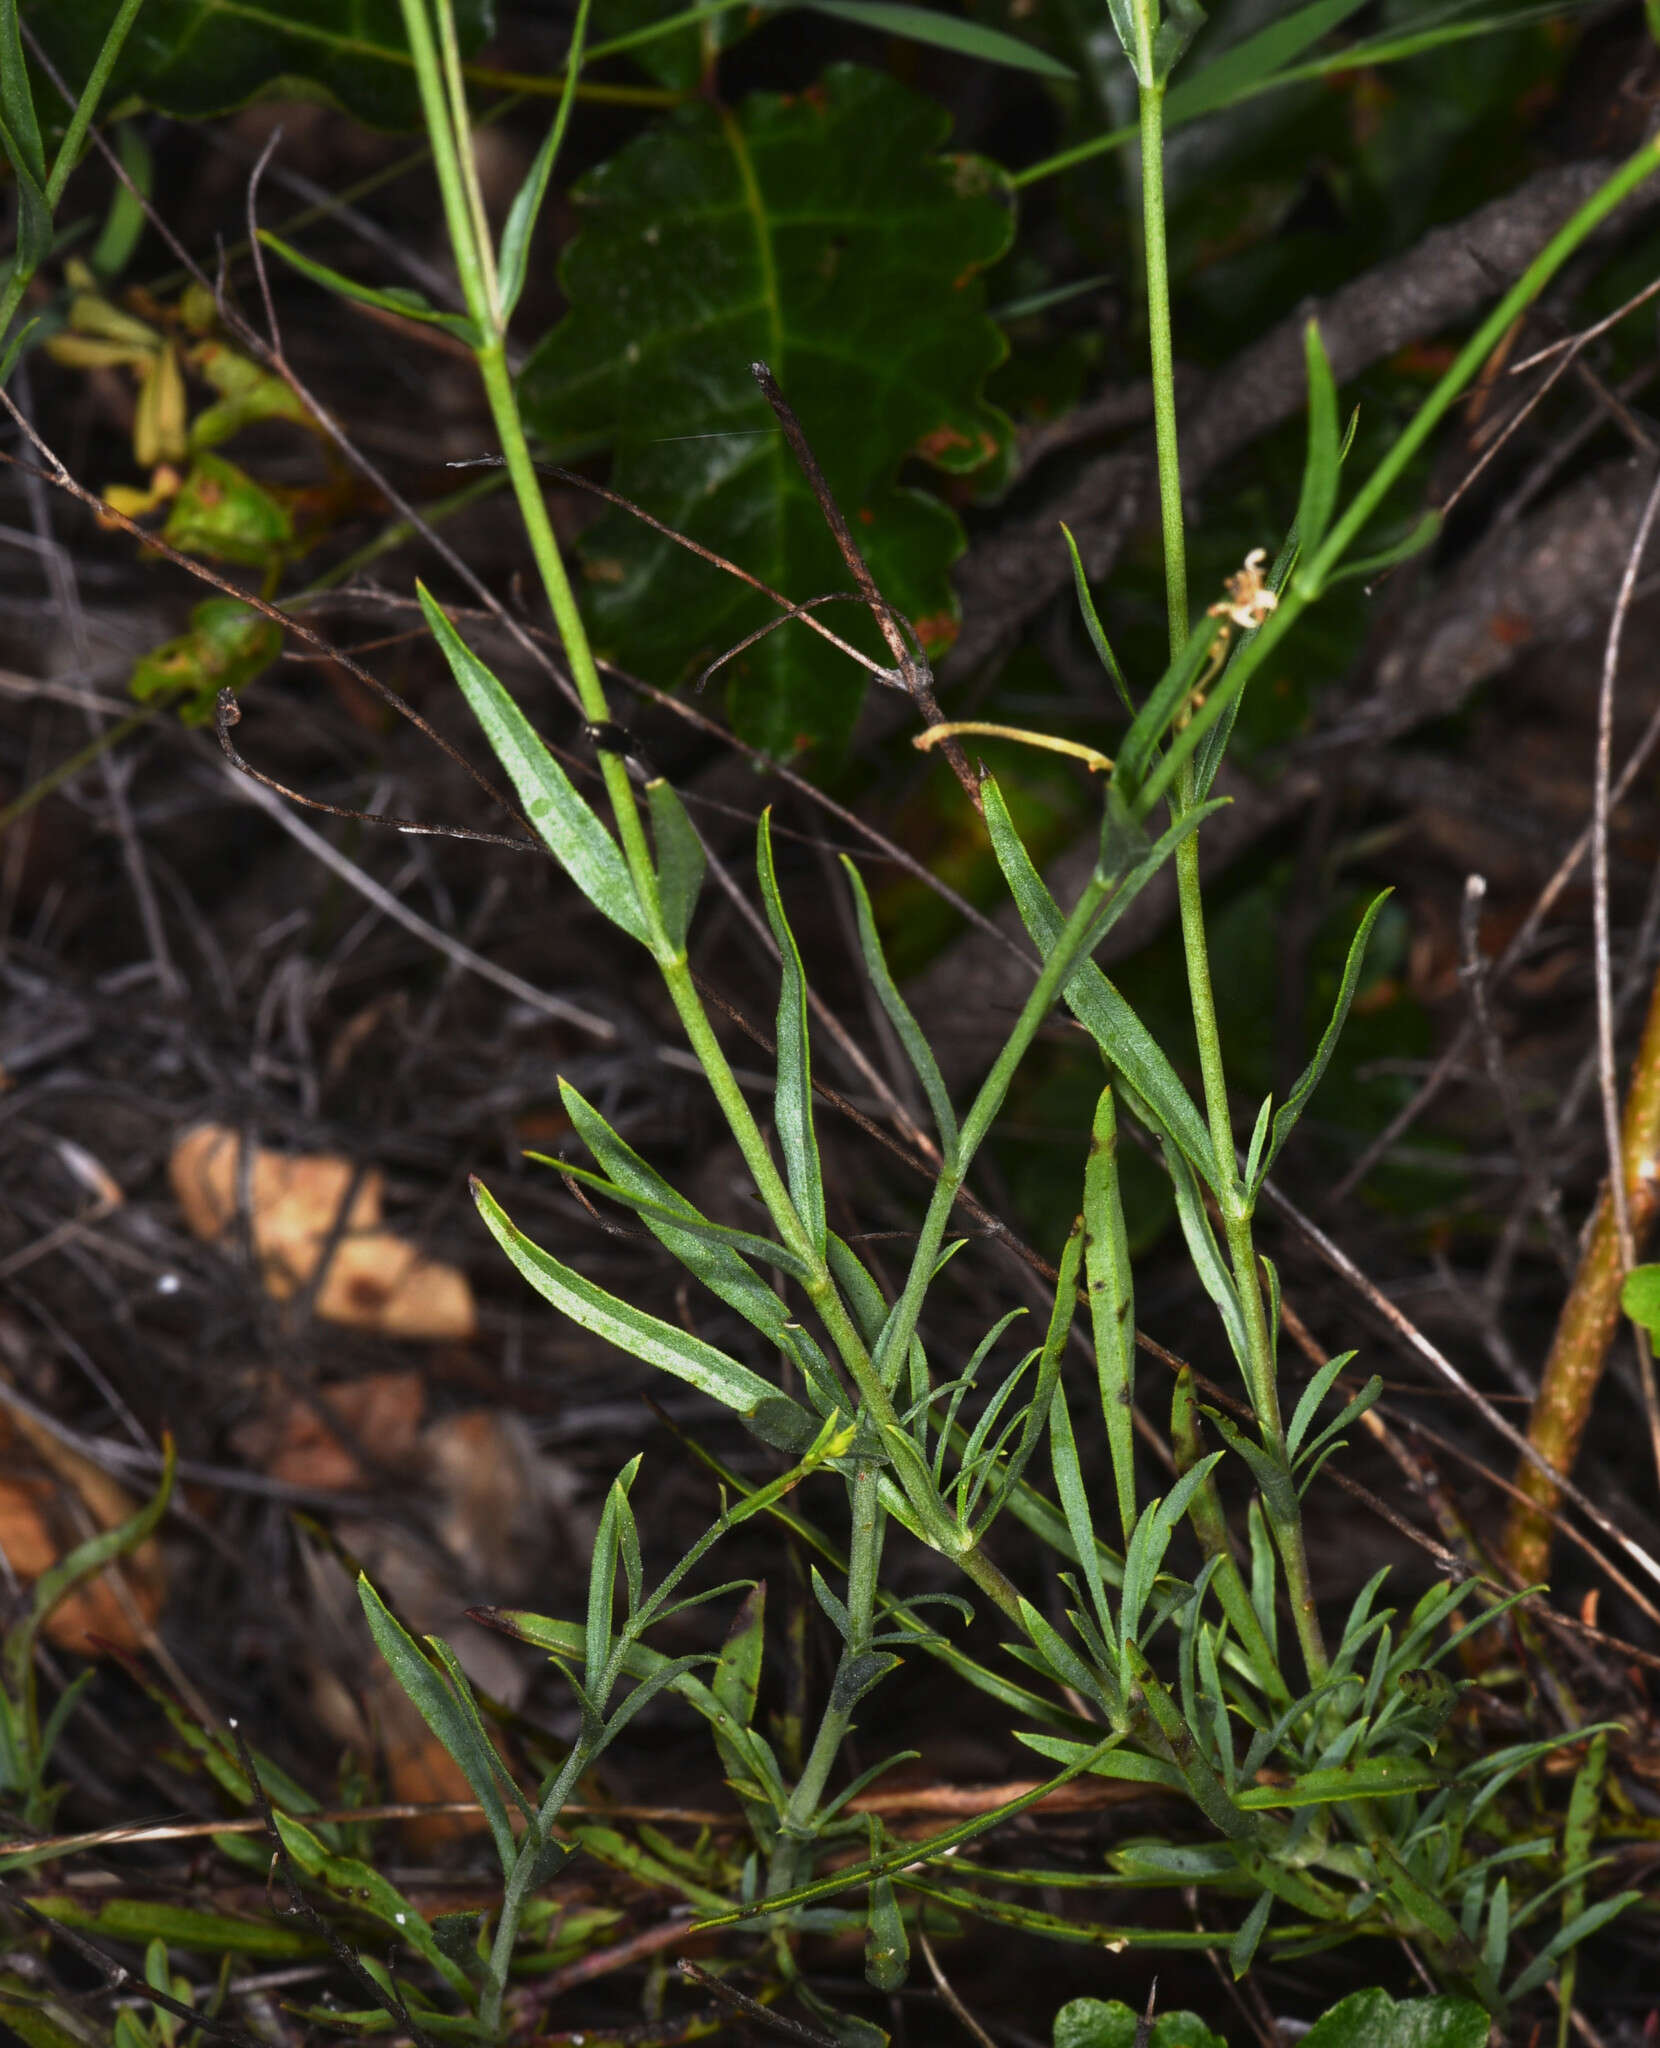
{"points": [[521, 1881], [447, 145], [863, 1578], [1057, 971], [1259, 1363], [446, 122], [1312, 576], [483, 248], [1156, 262]]}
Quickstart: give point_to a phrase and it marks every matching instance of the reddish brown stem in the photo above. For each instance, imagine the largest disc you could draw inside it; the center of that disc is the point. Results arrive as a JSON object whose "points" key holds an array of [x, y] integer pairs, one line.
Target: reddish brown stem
{"points": [[1590, 1315]]}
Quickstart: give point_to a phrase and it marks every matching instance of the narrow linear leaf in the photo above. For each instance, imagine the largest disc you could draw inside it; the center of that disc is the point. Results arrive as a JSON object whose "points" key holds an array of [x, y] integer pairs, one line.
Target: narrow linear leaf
{"points": [[363, 1888], [1111, 1286], [570, 830], [1243, 1947], [1417, 537], [1112, 1763], [17, 104], [1377, 1777], [610, 1543], [911, 1036], [1040, 1407], [1075, 1504], [793, 1094], [1092, 624], [82, 1563], [680, 1227], [21, 143], [439, 1709], [1128, 1045], [1138, 749], [1320, 466], [887, 1947], [680, 859], [944, 32], [1250, 65], [772, 1415], [398, 299], [1205, 1253], [1182, 21], [1308, 1404], [513, 260], [1285, 1118], [1579, 1929], [1352, 1412]]}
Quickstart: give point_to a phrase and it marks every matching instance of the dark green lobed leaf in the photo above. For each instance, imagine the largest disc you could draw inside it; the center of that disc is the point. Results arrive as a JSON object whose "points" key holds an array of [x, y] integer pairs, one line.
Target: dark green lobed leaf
{"points": [[824, 233]]}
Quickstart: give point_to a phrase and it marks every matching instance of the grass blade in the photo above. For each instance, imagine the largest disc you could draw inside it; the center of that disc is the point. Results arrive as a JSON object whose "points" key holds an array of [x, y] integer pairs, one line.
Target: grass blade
{"points": [[1324, 458]]}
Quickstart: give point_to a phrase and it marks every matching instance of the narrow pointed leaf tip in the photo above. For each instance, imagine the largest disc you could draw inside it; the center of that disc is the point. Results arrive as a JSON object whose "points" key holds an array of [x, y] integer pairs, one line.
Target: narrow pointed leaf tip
{"points": [[1285, 1118], [911, 1035], [567, 827], [771, 1415], [1319, 493]]}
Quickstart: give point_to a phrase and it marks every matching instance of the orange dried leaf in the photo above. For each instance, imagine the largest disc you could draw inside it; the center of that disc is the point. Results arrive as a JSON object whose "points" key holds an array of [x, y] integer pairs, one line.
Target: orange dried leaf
{"points": [[375, 1279]]}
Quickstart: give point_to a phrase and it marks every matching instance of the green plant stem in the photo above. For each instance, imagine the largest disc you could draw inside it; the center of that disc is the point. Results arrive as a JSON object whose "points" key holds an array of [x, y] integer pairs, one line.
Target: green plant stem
{"points": [[1306, 584], [1156, 264], [1056, 972], [1258, 1363], [1197, 96], [521, 1882], [863, 1576], [444, 105], [80, 119]]}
